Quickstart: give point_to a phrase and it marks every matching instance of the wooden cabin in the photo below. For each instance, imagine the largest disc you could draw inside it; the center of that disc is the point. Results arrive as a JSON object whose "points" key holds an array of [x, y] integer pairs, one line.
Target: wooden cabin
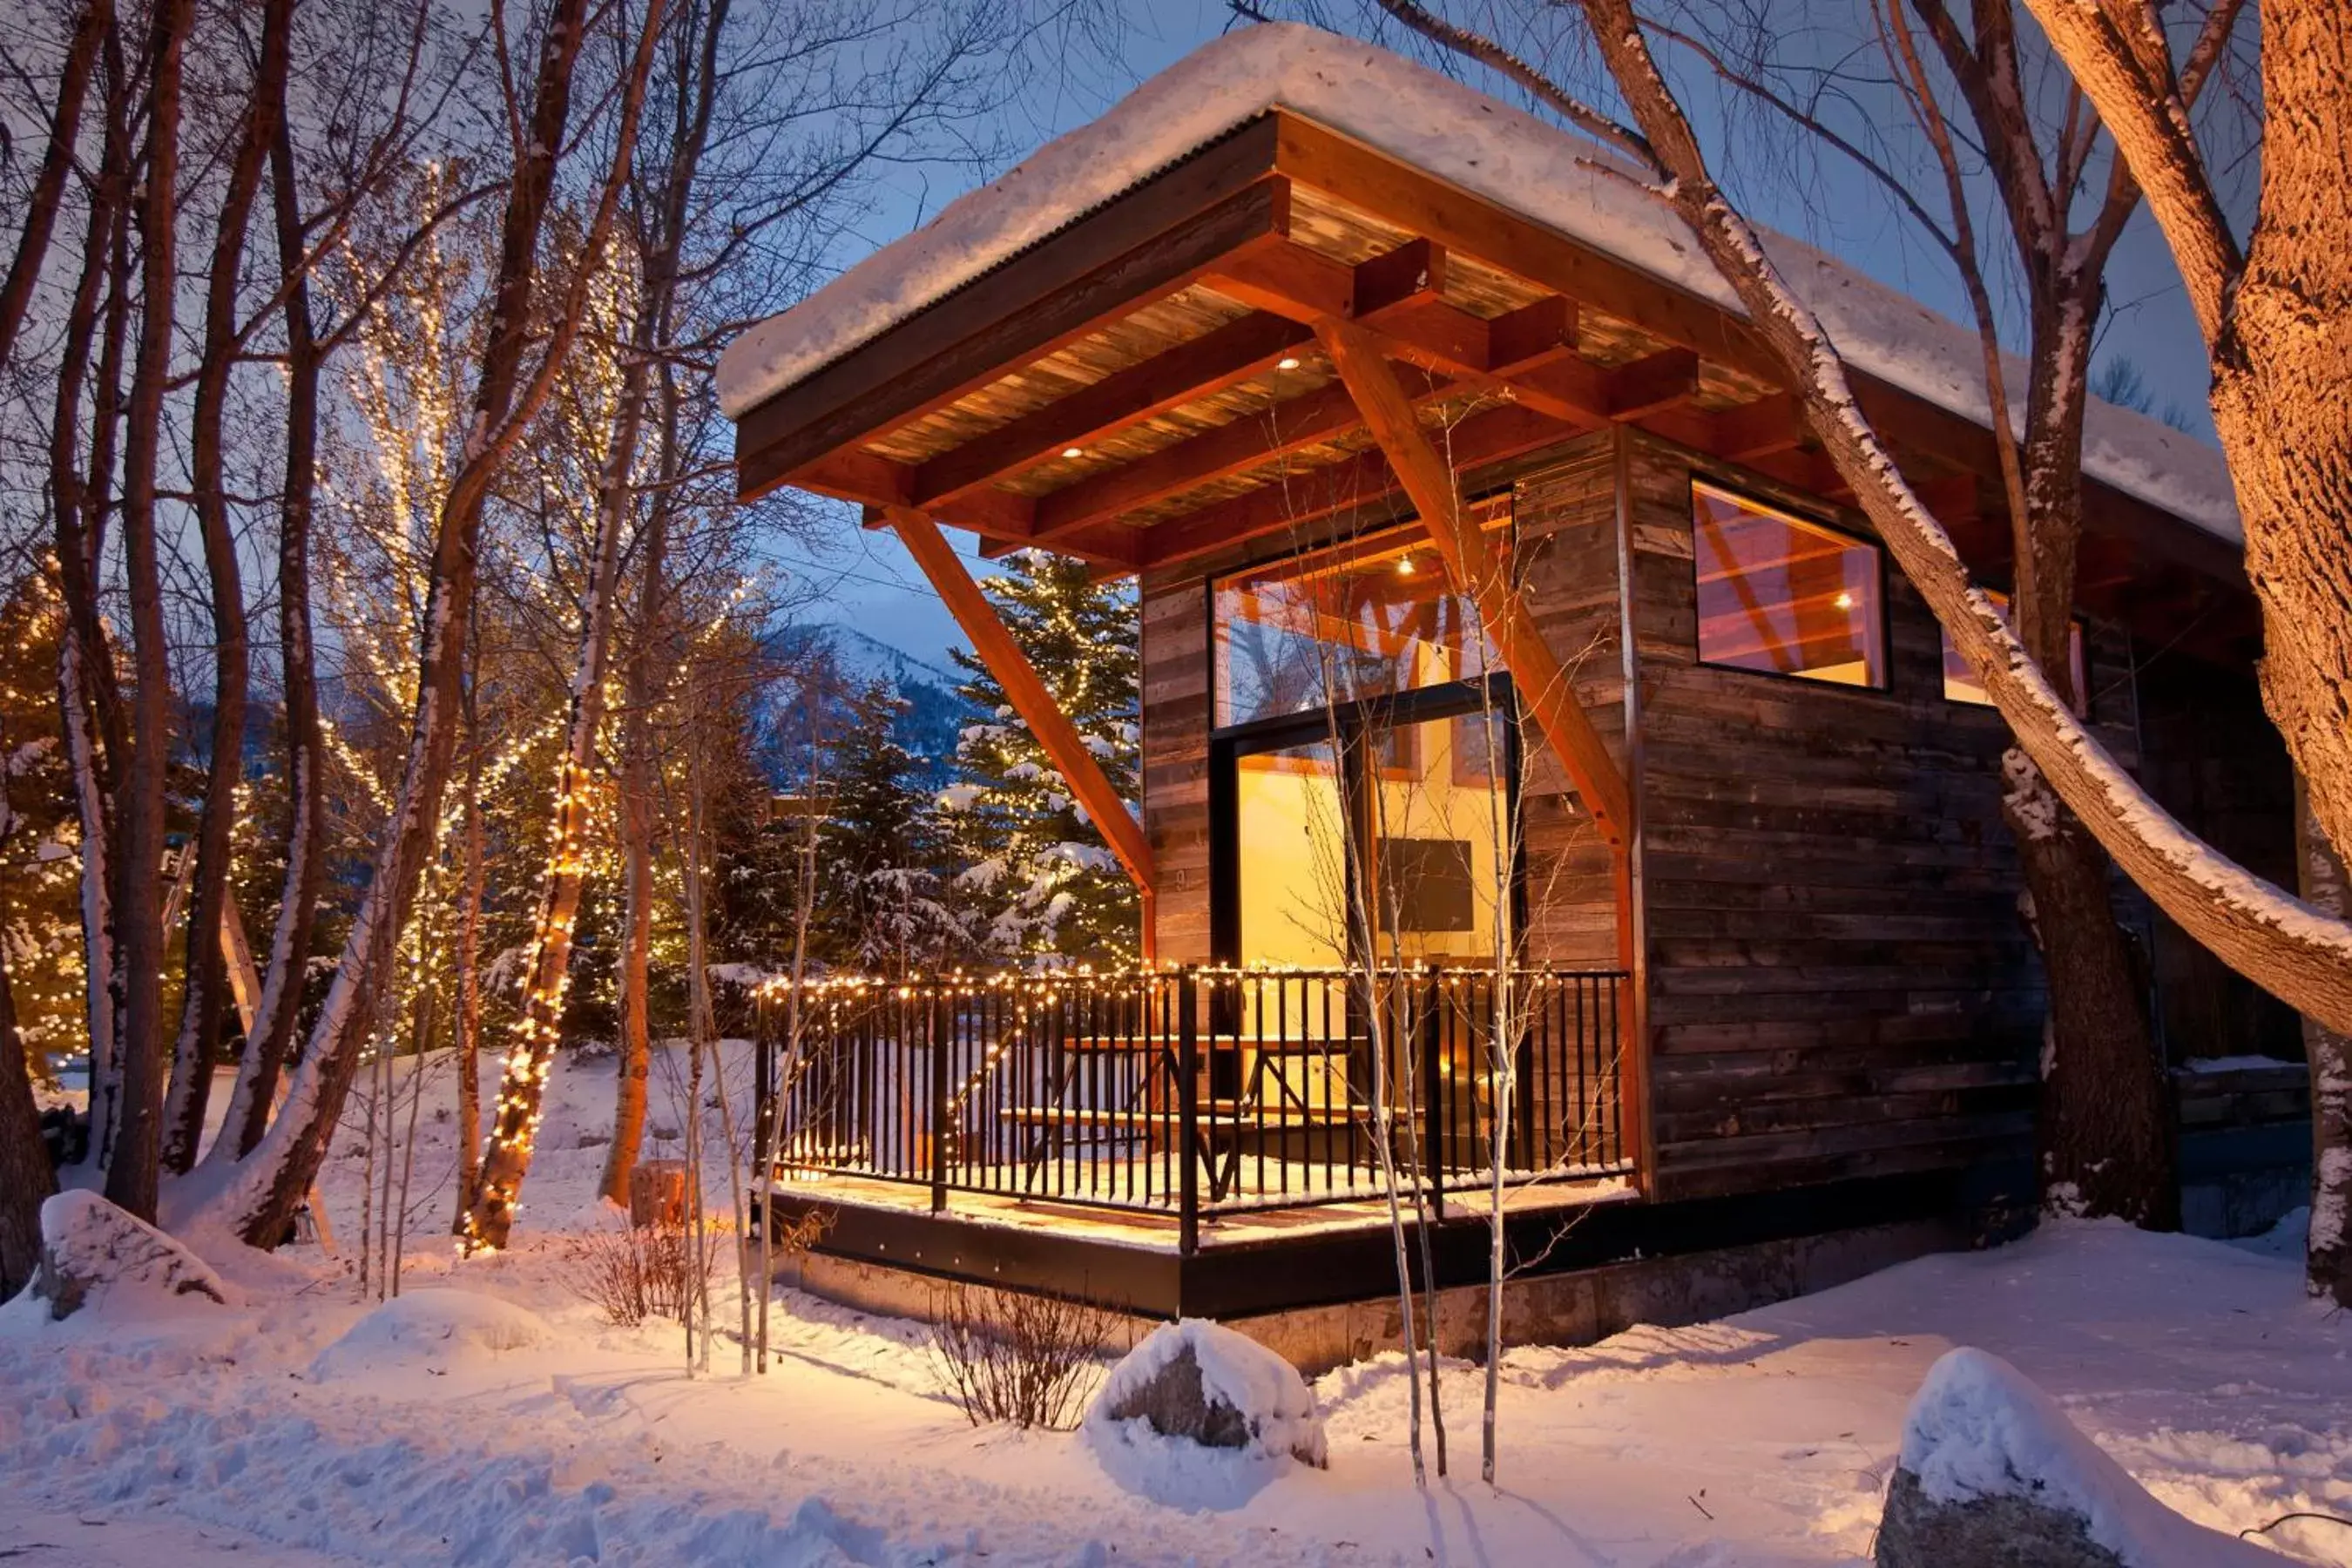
{"points": [[1450, 477]]}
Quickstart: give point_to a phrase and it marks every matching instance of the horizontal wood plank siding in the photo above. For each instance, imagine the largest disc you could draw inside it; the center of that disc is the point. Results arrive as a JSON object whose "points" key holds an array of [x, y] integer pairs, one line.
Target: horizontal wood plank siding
{"points": [[1838, 984]]}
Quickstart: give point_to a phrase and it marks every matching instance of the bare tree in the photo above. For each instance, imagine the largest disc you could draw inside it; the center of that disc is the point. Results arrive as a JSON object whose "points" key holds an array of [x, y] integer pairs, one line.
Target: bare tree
{"points": [[132, 1165], [270, 1183], [204, 1003], [93, 26], [2105, 1126], [2276, 315], [2297, 952]]}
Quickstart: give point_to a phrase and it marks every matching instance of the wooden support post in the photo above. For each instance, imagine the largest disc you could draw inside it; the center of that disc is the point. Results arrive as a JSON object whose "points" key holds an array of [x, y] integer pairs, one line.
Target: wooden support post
{"points": [[1032, 699], [1542, 686]]}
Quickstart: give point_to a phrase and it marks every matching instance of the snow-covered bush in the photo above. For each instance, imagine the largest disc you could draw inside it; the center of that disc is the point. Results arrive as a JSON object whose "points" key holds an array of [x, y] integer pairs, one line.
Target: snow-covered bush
{"points": [[434, 1329]]}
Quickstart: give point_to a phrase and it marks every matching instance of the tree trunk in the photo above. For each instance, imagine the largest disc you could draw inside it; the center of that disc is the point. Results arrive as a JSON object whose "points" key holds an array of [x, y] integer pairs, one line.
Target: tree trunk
{"points": [[637, 872], [2294, 952], [272, 1033], [507, 1159], [2108, 1126], [260, 1204], [79, 643], [2327, 1258], [469, 951], [95, 22], [132, 1163], [88, 704], [205, 999], [26, 1177], [2278, 390]]}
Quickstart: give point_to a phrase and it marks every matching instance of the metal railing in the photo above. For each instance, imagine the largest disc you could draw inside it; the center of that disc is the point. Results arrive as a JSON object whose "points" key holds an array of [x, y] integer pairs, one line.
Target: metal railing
{"points": [[1190, 1092]]}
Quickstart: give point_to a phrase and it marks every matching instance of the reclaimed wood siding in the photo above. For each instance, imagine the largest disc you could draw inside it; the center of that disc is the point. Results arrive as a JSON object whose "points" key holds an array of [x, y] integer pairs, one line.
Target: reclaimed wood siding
{"points": [[1176, 719], [1566, 512], [1838, 984]]}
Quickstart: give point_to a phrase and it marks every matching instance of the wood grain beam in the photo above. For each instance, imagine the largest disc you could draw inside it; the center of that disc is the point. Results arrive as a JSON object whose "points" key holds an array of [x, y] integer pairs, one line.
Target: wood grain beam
{"points": [[1248, 443], [1298, 502], [1770, 424], [1030, 699], [1427, 479], [1091, 274], [1234, 352]]}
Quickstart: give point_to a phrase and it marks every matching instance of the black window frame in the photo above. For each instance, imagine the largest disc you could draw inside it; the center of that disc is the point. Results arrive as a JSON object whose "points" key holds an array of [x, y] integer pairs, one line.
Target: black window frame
{"points": [[1885, 683]]}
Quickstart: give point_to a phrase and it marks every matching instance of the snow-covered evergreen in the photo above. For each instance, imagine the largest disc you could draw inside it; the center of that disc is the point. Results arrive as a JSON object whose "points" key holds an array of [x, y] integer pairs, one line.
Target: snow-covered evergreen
{"points": [[1043, 880], [885, 906]]}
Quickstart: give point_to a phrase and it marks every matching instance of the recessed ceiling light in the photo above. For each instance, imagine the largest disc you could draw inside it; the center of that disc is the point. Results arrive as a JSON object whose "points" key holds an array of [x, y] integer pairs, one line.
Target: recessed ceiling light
{"points": [[1287, 363], [1074, 451]]}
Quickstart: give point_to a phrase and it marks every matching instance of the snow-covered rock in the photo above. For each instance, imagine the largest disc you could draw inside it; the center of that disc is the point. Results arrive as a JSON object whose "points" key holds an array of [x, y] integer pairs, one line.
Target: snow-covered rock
{"points": [[435, 1330], [93, 1253], [1993, 1472], [1206, 1385]]}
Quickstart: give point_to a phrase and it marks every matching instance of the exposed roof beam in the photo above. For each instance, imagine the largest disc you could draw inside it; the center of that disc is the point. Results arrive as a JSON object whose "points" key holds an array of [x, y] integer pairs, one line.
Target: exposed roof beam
{"points": [[1234, 352], [1248, 443], [854, 476], [1299, 501], [1146, 246], [1536, 678], [1770, 424]]}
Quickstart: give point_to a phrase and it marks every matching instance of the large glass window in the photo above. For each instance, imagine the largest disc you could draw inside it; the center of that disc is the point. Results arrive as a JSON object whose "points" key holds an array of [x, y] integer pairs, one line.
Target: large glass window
{"points": [[1373, 617], [1779, 594], [1960, 683]]}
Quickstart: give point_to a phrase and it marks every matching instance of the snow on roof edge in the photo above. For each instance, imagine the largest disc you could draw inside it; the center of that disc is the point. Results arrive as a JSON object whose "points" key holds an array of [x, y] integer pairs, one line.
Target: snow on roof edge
{"points": [[1548, 175]]}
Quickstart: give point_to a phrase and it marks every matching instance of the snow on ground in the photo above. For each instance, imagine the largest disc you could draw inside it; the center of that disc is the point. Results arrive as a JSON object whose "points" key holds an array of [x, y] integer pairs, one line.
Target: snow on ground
{"points": [[470, 1434]]}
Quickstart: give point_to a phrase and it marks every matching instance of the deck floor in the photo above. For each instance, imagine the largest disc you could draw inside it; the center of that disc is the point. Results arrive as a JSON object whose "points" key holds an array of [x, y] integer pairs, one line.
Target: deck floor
{"points": [[1162, 1232]]}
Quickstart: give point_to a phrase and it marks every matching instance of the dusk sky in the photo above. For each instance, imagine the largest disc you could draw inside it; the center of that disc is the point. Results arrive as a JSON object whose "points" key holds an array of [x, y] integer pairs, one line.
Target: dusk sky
{"points": [[867, 580]]}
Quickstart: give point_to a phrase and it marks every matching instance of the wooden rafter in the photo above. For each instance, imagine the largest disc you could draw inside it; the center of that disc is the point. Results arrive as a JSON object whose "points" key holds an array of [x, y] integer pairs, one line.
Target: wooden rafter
{"points": [[1094, 273], [1236, 352], [1032, 699], [1536, 673], [1297, 500]]}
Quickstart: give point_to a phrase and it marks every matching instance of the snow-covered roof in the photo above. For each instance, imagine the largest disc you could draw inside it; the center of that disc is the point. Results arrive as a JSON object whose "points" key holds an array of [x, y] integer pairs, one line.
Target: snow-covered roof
{"points": [[1488, 148]]}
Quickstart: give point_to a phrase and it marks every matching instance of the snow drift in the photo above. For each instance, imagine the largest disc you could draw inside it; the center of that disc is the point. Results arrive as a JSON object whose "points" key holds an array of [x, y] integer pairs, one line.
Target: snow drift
{"points": [[437, 1330], [1979, 1430]]}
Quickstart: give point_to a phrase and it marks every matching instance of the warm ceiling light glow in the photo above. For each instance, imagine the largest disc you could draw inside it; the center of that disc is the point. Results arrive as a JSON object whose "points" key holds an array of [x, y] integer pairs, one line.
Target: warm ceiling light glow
{"points": [[1074, 451], [1286, 363], [1844, 601], [1405, 568]]}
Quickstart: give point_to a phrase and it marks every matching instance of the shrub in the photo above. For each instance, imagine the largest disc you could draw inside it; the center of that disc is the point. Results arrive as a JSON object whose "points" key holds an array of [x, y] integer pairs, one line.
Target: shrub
{"points": [[1006, 1356]]}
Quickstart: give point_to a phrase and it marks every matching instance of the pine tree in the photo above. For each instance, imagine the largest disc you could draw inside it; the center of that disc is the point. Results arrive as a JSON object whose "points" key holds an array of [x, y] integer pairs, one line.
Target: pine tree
{"points": [[1047, 881], [883, 856]]}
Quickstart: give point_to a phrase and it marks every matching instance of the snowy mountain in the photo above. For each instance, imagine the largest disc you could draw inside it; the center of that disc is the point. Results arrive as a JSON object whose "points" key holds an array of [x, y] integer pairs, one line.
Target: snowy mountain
{"points": [[935, 713]]}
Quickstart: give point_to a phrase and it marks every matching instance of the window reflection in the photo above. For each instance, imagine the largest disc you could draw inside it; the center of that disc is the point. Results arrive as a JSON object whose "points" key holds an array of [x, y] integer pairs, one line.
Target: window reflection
{"points": [[1778, 594], [1960, 683], [1370, 618]]}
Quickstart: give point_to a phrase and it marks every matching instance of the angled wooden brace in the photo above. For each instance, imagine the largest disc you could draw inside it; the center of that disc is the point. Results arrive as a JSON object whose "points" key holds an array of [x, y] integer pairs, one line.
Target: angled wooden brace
{"points": [[1428, 481], [1031, 700]]}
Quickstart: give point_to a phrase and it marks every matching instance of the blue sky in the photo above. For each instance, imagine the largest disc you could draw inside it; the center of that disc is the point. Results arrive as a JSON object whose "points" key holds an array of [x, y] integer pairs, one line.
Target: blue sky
{"points": [[868, 582]]}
